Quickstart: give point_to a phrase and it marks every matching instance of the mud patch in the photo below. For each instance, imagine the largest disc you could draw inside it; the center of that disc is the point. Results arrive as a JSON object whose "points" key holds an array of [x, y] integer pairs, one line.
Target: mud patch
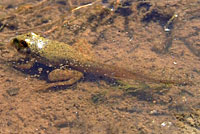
{"points": [[141, 36]]}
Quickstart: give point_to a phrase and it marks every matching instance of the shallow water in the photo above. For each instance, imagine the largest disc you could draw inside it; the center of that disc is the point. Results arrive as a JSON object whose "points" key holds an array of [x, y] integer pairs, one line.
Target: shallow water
{"points": [[160, 39]]}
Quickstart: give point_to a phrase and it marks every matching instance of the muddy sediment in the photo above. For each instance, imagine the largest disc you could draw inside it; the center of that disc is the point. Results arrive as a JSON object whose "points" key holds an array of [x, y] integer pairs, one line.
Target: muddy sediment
{"points": [[157, 38]]}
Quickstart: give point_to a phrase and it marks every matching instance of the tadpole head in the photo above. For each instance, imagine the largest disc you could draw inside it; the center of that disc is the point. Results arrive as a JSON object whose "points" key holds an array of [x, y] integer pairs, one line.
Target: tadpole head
{"points": [[20, 45]]}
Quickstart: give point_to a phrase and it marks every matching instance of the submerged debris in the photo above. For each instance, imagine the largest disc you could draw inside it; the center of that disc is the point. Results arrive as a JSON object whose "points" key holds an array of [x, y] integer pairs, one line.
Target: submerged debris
{"points": [[13, 91]]}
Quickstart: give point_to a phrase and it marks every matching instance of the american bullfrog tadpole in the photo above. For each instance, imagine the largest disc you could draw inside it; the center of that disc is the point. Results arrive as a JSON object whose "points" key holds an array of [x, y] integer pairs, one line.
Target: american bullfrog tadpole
{"points": [[54, 53]]}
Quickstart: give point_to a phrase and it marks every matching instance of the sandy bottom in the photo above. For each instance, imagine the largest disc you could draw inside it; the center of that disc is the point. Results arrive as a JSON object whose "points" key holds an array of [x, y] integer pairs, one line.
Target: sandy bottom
{"points": [[160, 39]]}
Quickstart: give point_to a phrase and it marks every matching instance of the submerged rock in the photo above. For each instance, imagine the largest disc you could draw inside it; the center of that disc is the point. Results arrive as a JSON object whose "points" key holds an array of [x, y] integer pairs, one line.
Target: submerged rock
{"points": [[13, 91]]}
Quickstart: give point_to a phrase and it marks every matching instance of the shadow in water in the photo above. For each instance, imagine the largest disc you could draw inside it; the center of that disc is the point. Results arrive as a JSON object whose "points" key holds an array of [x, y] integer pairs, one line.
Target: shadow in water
{"points": [[41, 71]]}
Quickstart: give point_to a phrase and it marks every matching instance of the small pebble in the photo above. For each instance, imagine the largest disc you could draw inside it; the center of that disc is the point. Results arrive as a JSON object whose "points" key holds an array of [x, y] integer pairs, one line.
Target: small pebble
{"points": [[40, 69], [13, 91], [167, 29]]}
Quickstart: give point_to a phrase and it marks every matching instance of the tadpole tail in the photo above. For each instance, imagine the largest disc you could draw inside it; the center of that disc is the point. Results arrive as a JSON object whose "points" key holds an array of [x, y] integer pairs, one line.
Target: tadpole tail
{"points": [[119, 72]]}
